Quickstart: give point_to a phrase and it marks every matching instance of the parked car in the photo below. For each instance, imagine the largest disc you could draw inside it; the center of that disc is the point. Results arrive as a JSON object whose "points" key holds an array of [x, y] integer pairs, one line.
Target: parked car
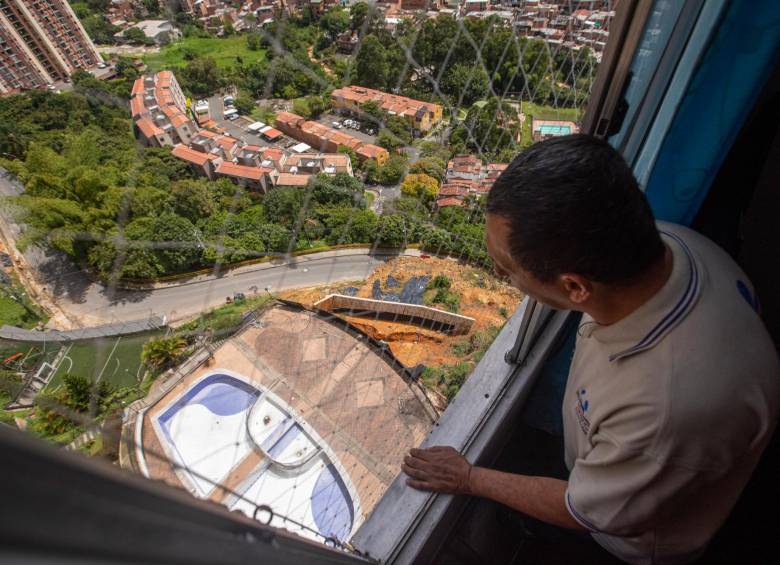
{"points": [[336, 125]]}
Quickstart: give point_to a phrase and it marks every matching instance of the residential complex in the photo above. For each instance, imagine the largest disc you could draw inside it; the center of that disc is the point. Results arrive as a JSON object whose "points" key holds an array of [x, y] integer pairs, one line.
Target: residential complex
{"points": [[422, 116], [159, 110], [41, 42], [162, 118], [466, 175], [571, 23], [327, 139]]}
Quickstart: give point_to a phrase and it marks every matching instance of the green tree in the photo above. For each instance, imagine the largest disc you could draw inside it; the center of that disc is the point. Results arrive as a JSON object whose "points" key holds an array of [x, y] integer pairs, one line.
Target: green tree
{"points": [[389, 140], [135, 35], [347, 225], [339, 190], [392, 171], [244, 103], [335, 21], [466, 83], [202, 76], [177, 241], [421, 186], [372, 109], [284, 204], [161, 352], [193, 199], [254, 41], [371, 63], [391, 231], [400, 128], [430, 166], [357, 14], [489, 129]]}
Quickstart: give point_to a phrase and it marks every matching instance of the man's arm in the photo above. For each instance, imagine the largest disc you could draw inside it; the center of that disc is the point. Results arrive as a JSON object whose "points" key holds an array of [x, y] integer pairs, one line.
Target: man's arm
{"points": [[443, 469]]}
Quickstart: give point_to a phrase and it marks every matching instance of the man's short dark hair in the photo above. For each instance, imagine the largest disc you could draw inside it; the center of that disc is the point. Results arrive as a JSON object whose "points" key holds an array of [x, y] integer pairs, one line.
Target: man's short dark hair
{"points": [[574, 206]]}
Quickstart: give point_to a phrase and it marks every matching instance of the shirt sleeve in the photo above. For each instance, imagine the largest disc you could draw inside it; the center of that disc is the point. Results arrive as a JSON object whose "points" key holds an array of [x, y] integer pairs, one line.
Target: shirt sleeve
{"points": [[619, 492]]}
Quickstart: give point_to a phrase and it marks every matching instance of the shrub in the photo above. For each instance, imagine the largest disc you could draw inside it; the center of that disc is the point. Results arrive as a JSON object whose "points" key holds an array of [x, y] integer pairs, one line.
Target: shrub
{"points": [[440, 281]]}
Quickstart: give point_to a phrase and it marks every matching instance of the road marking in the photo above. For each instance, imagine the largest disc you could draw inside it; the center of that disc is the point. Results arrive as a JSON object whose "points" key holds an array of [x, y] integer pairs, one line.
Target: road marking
{"points": [[107, 360]]}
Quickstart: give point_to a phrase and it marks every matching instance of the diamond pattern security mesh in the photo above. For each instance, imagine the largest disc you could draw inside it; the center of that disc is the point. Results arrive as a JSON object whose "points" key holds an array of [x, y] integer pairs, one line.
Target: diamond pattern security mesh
{"points": [[305, 146]]}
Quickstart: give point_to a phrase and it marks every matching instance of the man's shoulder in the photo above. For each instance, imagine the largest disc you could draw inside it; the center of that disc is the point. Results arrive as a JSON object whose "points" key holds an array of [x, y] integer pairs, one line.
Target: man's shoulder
{"points": [[724, 386]]}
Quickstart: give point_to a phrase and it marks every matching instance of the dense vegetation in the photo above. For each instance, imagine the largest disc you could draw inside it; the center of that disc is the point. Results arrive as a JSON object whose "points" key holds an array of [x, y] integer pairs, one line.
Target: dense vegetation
{"points": [[454, 62], [131, 212]]}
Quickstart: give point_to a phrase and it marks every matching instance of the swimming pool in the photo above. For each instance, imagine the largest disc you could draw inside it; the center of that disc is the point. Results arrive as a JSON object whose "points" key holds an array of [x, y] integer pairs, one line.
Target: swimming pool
{"points": [[222, 420], [554, 130]]}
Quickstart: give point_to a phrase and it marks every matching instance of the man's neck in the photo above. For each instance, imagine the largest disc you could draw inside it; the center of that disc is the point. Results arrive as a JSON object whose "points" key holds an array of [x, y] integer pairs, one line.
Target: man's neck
{"points": [[619, 302]]}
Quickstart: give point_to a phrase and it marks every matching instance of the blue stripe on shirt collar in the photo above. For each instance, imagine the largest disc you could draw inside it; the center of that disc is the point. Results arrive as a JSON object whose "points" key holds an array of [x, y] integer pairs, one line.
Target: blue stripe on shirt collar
{"points": [[675, 314]]}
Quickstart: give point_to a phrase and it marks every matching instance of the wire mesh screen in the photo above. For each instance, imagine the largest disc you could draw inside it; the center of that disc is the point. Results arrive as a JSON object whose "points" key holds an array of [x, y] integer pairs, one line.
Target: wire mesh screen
{"points": [[153, 218]]}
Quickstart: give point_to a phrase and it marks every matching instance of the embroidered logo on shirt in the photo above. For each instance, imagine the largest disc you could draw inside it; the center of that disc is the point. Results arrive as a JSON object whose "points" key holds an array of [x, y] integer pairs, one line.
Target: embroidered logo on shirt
{"points": [[581, 409]]}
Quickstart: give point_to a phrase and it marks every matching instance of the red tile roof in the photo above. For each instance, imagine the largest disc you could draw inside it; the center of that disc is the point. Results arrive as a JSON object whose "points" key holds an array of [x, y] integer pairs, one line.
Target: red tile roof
{"points": [[226, 142], [273, 153], [242, 171], [451, 190], [179, 119], [137, 106], [288, 179], [272, 133], [449, 202], [289, 118], [371, 151], [148, 128], [190, 155], [170, 111], [138, 86]]}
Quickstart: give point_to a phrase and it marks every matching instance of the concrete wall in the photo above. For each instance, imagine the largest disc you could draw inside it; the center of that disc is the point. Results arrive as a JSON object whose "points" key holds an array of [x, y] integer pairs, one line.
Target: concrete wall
{"points": [[414, 313]]}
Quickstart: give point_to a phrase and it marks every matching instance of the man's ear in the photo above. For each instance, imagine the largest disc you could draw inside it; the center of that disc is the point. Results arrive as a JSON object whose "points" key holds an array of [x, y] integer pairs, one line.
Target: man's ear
{"points": [[578, 289]]}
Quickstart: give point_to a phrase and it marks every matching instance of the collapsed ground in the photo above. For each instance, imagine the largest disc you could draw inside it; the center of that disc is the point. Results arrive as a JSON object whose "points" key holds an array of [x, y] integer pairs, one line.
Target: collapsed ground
{"points": [[451, 285]]}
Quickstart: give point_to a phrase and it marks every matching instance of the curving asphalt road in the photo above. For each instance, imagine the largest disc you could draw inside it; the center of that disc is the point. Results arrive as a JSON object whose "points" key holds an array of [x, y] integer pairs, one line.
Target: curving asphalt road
{"points": [[87, 303]]}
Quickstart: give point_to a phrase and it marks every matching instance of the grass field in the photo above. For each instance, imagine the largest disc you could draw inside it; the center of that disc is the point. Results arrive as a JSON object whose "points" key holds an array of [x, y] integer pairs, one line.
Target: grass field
{"points": [[116, 360], [16, 308], [223, 50], [532, 111], [370, 196]]}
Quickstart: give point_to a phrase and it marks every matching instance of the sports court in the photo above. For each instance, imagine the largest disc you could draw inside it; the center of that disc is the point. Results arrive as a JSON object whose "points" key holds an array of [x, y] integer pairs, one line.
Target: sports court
{"points": [[114, 359]]}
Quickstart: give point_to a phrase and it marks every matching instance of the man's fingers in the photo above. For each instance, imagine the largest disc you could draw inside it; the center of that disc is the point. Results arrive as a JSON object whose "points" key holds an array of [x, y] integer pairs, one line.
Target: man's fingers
{"points": [[420, 453], [429, 453], [416, 473], [417, 463]]}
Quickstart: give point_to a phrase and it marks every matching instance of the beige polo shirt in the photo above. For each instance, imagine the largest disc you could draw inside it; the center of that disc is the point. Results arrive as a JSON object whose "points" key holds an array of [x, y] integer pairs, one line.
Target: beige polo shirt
{"points": [[667, 411]]}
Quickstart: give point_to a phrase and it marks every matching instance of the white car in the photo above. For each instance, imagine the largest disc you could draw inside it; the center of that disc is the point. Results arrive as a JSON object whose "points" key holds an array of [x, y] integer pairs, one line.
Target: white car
{"points": [[336, 125]]}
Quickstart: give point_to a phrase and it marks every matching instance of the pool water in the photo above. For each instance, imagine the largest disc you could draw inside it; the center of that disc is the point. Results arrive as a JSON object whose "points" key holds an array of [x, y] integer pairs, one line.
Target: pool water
{"points": [[554, 130], [220, 420]]}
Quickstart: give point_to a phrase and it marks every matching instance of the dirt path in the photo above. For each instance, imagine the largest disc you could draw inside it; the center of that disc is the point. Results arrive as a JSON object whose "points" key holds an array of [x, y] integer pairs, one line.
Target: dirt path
{"points": [[326, 68]]}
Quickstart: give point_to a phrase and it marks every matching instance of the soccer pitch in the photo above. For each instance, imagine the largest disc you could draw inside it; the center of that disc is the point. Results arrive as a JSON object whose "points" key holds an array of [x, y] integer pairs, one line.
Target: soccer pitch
{"points": [[113, 359]]}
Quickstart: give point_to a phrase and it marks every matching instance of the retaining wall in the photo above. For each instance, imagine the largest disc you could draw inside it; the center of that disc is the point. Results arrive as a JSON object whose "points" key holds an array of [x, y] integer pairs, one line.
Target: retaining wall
{"points": [[412, 313]]}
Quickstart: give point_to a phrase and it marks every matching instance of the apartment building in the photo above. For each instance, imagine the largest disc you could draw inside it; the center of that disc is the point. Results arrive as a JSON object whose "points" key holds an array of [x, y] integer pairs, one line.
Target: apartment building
{"points": [[327, 140], [466, 175], [422, 116], [159, 108], [41, 42]]}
